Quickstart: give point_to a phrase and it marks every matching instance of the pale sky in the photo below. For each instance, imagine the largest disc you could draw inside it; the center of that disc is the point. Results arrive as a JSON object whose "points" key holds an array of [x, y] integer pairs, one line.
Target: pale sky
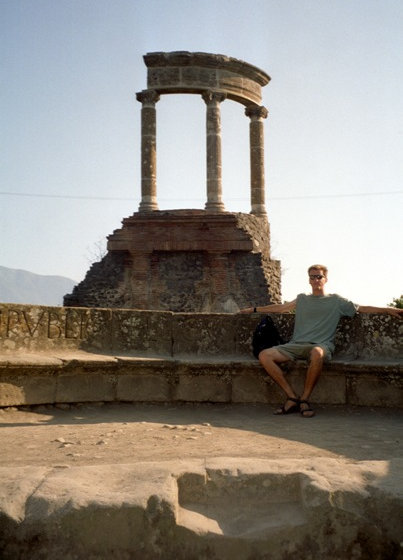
{"points": [[70, 130]]}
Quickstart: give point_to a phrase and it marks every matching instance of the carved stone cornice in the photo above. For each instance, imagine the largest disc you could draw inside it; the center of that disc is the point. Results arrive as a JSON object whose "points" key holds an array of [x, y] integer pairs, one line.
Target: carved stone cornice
{"points": [[183, 59]]}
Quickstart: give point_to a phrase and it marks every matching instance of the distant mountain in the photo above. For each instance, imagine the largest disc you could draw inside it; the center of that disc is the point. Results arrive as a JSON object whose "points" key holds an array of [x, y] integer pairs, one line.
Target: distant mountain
{"points": [[21, 286]]}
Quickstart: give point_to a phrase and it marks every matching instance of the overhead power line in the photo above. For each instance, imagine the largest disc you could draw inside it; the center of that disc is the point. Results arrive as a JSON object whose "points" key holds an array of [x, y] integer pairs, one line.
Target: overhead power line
{"points": [[115, 198], [64, 196], [339, 195]]}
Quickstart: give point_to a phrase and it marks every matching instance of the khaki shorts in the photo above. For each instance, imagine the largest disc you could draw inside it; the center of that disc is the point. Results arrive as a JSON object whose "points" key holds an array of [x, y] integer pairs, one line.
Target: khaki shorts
{"points": [[301, 351]]}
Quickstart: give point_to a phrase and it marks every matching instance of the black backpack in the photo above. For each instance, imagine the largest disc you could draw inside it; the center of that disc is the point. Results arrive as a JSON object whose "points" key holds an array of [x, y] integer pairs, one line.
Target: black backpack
{"points": [[265, 335]]}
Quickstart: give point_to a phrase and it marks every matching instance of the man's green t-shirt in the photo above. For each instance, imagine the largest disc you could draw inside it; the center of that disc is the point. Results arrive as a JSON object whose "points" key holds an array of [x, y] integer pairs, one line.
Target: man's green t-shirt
{"points": [[317, 317]]}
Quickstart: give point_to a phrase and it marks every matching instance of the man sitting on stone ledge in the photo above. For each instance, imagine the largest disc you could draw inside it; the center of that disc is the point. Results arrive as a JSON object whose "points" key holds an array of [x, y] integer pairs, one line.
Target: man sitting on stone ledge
{"points": [[316, 318]]}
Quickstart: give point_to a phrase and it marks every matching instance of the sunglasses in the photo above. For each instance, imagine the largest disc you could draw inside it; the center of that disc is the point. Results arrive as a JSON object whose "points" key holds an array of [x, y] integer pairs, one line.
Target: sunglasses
{"points": [[316, 276]]}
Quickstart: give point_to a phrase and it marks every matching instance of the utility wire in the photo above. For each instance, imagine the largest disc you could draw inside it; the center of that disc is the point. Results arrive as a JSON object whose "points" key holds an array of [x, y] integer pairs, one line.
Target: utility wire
{"points": [[340, 195], [64, 196], [114, 198]]}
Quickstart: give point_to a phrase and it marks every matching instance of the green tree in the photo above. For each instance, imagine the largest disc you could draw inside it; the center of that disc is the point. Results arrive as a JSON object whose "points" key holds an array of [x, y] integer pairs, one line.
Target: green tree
{"points": [[397, 302]]}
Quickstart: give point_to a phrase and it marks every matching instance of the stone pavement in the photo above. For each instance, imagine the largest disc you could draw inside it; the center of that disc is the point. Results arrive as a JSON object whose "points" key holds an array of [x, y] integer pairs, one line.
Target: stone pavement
{"points": [[200, 482]]}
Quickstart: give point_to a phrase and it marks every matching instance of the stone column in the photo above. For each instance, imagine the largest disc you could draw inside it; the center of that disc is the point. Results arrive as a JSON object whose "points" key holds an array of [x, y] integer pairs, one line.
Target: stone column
{"points": [[213, 134], [148, 98], [256, 139]]}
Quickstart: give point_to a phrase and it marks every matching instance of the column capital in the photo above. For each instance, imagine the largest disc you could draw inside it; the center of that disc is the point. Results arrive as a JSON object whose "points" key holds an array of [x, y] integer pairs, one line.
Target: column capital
{"points": [[147, 97], [211, 96], [256, 112]]}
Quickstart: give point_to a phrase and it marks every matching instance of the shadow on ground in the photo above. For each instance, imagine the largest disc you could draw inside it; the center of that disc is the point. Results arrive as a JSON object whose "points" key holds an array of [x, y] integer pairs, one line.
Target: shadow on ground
{"points": [[155, 431]]}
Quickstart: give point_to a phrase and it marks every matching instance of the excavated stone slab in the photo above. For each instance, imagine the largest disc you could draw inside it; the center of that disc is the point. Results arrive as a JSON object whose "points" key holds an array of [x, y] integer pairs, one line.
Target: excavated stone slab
{"points": [[219, 509]]}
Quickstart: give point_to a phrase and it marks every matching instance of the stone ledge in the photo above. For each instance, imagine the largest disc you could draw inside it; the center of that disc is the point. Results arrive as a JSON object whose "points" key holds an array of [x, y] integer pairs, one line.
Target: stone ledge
{"points": [[85, 377]]}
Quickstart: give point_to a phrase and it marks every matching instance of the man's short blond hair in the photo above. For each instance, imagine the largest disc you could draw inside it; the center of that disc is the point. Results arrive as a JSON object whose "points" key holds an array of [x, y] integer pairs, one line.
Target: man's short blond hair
{"points": [[320, 267]]}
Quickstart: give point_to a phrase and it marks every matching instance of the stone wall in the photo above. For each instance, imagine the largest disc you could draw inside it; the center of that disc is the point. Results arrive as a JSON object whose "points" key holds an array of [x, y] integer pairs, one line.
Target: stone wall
{"points": [[30, 328], [104, 284], [69, 355]]}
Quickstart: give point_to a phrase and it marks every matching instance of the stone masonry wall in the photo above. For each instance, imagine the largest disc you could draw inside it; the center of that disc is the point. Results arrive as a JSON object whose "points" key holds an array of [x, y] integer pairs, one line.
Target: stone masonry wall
{"points": [[70, 355], [31, 328], [184, 261], [103, 286]]}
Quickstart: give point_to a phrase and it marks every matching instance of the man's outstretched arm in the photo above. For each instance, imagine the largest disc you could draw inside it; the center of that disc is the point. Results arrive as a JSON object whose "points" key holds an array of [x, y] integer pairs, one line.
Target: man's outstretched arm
{"points": [[386, 310], [274, 308]]}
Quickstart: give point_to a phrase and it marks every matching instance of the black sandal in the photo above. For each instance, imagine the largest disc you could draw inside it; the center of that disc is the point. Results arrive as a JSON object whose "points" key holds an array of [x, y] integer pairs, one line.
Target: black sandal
{"points": [[308, 409], [291, 409]]}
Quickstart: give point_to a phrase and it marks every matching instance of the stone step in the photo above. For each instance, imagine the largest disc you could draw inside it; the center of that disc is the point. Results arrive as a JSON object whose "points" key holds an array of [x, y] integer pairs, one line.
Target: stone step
{"points": [[232, 508]]}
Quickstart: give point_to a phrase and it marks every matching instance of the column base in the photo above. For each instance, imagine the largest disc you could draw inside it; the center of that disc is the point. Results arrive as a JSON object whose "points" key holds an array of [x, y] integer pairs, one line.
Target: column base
{"points": [[214, 207], [259, 210], [148, 206]]}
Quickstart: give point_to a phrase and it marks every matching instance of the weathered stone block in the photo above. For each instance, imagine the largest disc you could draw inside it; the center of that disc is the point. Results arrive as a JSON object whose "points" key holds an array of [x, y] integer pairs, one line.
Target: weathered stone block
{"points": [[243, 330], [142, 332], [199, 77], [206, 335], [97, 332], [331, 389], [146, 387], [380, 335], [375, 390], [202, 388], [29, 388], [249, 388], [78, 386], [157, 77]]}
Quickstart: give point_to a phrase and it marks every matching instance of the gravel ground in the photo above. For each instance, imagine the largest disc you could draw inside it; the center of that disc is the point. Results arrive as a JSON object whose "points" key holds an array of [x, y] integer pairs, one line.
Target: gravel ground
{"points": [[129, 433]]}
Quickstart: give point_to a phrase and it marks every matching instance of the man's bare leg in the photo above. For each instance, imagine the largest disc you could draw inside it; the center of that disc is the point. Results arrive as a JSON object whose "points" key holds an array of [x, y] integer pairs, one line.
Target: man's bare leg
{"points": [[270, 358], [312, 376]]}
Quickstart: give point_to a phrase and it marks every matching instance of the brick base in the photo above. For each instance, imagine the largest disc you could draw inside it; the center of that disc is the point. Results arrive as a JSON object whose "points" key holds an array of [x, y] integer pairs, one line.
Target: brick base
{"points": [[184, 261]]}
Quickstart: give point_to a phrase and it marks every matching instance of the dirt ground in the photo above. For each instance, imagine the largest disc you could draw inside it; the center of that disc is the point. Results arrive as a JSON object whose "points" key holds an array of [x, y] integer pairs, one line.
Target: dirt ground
{"points": [[128, 433]]}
